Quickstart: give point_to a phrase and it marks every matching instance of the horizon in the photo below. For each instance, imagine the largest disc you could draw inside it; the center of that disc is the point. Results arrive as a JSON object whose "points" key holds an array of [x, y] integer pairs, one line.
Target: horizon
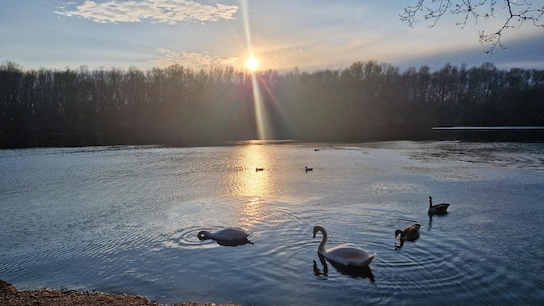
{"points": [[257, 72]]}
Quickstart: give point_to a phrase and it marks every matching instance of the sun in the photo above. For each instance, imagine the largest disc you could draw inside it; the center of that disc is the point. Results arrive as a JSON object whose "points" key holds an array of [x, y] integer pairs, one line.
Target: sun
{"points": [[252, 63]]}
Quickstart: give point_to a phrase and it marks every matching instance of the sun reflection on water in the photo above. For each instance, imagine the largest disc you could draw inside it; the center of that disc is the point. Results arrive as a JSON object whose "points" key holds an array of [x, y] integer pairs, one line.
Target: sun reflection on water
{"points": [[250, 182], [252, 187]]}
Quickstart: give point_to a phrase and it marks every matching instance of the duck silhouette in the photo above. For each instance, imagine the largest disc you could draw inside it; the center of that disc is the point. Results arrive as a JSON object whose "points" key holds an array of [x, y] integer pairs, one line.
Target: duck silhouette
{"points": [[437, 209], [410, 233]]}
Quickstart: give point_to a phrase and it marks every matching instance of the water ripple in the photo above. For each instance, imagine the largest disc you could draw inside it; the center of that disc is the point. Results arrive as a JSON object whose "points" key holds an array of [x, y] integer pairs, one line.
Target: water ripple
{"points": [[126, 220], [186, 238]]}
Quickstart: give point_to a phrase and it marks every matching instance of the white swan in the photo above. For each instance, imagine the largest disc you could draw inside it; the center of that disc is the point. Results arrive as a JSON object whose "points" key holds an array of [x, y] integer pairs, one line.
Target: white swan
{"points": [[345, 254], [229, 236]]}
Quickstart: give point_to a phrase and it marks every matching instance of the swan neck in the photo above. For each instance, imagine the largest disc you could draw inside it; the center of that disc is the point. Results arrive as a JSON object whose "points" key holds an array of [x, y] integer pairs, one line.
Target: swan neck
{"points": [[430, 202], [324, 240]]}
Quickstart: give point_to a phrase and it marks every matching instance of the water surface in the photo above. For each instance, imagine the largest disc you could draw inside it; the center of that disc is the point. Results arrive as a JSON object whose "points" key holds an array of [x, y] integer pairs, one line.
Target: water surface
{"points": [[125, 219]]}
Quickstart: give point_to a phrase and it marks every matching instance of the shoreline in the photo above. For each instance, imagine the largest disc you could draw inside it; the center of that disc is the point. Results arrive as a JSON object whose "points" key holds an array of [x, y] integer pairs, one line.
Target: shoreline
{"points": [[9, 295]]}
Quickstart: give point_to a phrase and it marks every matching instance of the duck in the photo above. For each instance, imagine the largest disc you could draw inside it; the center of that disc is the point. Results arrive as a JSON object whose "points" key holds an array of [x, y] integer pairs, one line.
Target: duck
{"points": [[410, 233], [349, 255], [308, 169], [231, 236], [438, 209]]}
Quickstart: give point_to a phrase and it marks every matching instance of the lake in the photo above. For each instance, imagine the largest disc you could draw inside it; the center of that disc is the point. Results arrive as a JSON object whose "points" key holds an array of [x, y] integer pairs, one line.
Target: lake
{"points": [[124, 219]]}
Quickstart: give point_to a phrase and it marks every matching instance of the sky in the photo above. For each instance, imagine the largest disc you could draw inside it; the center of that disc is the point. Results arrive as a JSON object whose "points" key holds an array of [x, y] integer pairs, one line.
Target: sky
{"points": [[282, 35]]}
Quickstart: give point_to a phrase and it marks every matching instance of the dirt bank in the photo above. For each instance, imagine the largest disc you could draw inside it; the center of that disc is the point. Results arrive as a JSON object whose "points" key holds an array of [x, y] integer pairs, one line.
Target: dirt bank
{"points": [[9, 295]]}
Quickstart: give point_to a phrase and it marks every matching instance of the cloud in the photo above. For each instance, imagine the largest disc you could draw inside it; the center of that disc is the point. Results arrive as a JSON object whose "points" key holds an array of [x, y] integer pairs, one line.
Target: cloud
{"points": [[191, 59], [161, 11]]}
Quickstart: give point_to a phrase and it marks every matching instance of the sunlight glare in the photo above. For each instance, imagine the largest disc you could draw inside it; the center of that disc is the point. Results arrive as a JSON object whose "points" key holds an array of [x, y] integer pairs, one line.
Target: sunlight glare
{"points": [[249, 185], [252, 63]]}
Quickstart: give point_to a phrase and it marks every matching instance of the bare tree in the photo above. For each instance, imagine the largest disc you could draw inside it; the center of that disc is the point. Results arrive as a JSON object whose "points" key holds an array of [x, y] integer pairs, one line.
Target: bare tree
{"points": [[517, 12]]}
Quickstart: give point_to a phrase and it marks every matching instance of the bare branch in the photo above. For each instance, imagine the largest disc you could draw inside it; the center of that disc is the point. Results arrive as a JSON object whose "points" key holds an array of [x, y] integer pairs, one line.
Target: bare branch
{"points": [[410, 13], [518, 13]]}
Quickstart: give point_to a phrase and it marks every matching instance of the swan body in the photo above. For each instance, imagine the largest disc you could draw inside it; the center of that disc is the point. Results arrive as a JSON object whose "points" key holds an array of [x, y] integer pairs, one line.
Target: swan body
{"points": [[308, 169], [438, 209], [410, 233], [259, 169], [228, 236], [346, 254]]}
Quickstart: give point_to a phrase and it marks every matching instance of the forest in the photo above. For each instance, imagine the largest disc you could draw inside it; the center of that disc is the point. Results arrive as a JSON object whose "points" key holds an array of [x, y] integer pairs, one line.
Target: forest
{"points": [[181, 106]]}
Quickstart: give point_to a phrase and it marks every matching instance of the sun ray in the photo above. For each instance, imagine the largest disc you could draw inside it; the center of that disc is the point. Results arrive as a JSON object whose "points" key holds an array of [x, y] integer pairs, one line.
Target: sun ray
{"points": [[262, 125], [244, 5], [260, 115], [277, 104]]}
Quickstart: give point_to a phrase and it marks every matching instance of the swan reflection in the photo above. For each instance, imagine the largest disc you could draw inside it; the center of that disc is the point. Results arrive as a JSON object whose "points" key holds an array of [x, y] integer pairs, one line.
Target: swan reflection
{"points": [[355, 272], [233, 243]]}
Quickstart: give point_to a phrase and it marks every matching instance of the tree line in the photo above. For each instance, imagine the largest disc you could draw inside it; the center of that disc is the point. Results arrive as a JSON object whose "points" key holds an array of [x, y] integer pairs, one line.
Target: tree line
{"points": [[182, 106]]}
